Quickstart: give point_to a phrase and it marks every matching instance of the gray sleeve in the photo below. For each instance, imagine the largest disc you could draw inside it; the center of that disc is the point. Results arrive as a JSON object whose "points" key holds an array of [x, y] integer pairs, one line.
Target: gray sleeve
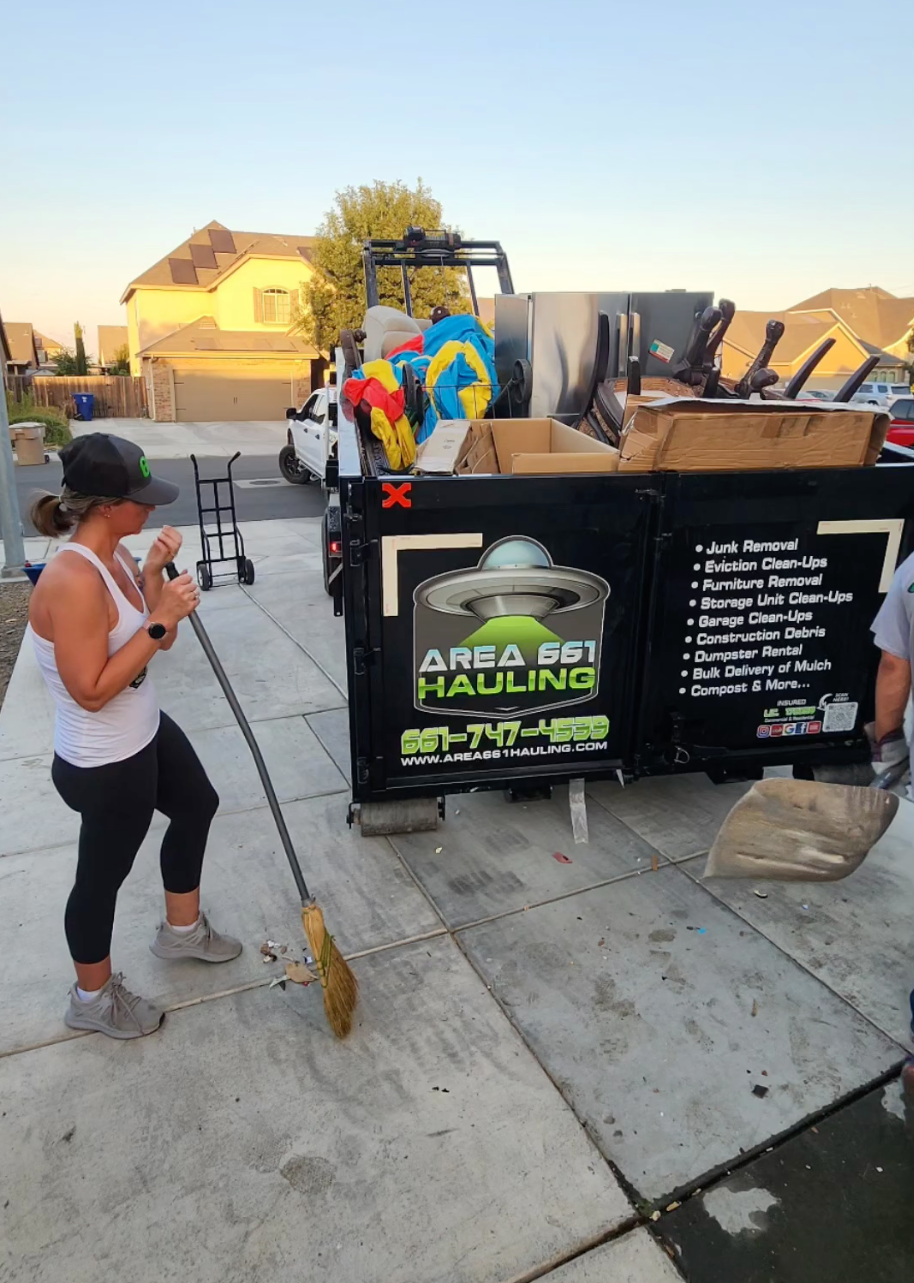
{"points": [[893, 625]]}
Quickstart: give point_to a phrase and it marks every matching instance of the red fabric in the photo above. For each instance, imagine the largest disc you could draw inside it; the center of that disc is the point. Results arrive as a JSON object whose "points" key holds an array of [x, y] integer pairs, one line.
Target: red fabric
{"points": [[370, 390], [411, 345]]}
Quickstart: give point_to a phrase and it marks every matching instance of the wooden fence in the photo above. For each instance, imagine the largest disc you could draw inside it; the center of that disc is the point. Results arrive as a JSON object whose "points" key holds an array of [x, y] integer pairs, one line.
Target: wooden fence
{"points": [[117, 396]]}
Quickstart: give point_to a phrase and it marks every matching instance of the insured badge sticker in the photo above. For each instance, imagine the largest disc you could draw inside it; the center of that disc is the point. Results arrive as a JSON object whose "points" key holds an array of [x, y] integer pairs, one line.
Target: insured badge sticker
{"points": [[515, 634]]}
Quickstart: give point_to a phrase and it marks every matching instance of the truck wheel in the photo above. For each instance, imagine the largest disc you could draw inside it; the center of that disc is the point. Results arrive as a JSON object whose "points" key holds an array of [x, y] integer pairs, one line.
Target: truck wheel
{"points": [[292, 467]]}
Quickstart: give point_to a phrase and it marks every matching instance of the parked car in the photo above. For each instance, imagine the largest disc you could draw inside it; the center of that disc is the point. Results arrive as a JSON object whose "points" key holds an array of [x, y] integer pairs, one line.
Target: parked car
{"points": [[901, 429], [885, 393]]}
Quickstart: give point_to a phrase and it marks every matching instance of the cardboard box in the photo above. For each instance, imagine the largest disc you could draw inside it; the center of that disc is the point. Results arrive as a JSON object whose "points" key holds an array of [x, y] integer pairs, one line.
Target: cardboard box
{"points": [[527, 447], [440, 452], [685, 434]]}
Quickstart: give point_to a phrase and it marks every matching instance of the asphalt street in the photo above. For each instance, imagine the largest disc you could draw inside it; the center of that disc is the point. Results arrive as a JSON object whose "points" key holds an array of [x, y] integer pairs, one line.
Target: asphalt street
{"points": [[260, 492]]}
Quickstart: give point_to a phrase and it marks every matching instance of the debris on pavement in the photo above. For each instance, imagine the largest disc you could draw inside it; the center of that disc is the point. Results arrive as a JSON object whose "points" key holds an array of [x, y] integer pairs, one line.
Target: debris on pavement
{"points": [[760, 1091], [562, 859], [655, 863], [299, 974], [577, 805], [762, 895], [755, 1006]]}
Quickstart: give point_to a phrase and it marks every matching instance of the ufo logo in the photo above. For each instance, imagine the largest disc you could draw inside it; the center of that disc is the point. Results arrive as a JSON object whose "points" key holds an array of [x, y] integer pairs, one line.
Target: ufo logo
{"points": [[515, 576]]}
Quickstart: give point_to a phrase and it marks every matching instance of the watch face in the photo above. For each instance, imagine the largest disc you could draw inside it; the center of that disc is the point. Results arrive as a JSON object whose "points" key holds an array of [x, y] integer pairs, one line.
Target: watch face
{"points": [[157, 631]]}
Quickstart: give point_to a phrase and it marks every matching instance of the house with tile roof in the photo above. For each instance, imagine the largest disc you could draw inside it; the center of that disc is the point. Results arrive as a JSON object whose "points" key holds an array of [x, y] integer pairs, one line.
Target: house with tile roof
{"points": [[20, 337], [864, 322], [211, 327], [48, 350]]}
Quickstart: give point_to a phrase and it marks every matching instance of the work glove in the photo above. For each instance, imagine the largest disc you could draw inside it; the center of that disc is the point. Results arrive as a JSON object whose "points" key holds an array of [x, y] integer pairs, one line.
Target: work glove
{"points": [[889, 756]]}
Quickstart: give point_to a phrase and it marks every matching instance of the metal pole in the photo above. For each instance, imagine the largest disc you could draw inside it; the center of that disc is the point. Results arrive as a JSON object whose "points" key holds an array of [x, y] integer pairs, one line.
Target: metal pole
{"points": [[10, 521]]}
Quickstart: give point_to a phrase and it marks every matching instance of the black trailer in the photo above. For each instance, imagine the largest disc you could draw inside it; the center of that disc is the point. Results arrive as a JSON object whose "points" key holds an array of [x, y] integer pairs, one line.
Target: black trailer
{"points": [[517, 632]]}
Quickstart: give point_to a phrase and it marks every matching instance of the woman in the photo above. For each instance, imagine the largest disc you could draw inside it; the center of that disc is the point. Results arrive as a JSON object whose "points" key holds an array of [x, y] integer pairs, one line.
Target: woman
{"points": [[95, 625]]}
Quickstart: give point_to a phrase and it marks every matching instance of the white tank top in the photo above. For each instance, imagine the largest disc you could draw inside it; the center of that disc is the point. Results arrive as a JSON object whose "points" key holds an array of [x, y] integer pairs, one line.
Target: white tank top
{"points": [[127, 722]]}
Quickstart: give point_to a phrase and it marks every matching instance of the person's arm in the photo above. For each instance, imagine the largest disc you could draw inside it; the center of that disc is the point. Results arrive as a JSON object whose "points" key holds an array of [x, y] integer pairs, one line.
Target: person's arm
{"points": [[893, 688], [151, 580], [79, 617]]}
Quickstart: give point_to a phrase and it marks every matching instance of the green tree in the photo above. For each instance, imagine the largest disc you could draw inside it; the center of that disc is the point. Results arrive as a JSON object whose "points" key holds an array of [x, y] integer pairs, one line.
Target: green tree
{"points": [[334, 297], [65, 362], [82, 366]]}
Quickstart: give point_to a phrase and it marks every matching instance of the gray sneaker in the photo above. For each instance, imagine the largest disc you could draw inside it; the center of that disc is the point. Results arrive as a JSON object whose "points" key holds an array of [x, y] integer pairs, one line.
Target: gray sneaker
{"points": [[116, 1012], [203, 942]]}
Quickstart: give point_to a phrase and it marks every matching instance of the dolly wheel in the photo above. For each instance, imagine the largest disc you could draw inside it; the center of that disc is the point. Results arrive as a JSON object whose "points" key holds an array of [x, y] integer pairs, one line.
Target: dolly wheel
{"points": [[248, 571], [204, 576]]}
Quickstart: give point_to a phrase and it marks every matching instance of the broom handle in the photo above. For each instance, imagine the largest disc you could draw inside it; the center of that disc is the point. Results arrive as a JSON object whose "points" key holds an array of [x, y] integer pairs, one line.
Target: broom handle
{"points": [[215, 664]]}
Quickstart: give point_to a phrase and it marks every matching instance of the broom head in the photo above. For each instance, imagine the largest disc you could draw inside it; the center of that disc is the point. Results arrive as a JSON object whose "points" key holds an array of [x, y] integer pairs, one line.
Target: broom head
{"points": [[341, 989]]}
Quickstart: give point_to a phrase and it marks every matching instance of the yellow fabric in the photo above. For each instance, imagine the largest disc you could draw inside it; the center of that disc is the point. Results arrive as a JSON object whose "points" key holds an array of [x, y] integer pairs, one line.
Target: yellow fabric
{"points": [[397, 439], [476, 396], [383, 371]]}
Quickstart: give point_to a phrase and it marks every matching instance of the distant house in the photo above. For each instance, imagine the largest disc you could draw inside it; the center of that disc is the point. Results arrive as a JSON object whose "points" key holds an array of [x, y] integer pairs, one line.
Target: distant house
{"points": [[23, 348], [112, 339], [48, 351], [6, 355], [865, 322], [211, 327]]}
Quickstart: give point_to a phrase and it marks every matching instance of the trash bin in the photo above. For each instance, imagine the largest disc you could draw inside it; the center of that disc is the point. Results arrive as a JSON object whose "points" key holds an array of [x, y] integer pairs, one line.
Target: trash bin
{"points": [[29, 443], [85, 402]]}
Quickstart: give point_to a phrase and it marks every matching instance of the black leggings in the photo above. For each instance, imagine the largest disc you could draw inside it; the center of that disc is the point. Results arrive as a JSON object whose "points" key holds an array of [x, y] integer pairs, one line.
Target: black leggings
{"points": [[116, 803]]}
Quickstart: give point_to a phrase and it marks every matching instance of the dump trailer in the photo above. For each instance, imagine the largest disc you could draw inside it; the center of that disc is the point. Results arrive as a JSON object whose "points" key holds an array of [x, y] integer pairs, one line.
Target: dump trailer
{"points": [[519, 632]]}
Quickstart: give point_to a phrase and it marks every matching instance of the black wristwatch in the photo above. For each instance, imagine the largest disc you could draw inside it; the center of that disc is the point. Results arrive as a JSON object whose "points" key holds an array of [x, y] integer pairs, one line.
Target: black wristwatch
{"points": [[156, 631]]}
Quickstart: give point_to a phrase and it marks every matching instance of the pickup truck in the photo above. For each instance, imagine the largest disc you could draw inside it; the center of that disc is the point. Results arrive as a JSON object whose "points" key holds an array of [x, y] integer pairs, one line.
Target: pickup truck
{"points": [[311, 438]]}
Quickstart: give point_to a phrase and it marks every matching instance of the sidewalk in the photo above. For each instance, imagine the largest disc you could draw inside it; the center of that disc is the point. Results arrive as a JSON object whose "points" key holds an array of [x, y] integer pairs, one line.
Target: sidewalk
{"points": [[545, 1054], [178, 440]]}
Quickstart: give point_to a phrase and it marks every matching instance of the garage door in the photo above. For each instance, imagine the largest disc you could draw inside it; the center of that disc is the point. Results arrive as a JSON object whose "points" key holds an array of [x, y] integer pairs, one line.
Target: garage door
{"points": [[201, 396]]}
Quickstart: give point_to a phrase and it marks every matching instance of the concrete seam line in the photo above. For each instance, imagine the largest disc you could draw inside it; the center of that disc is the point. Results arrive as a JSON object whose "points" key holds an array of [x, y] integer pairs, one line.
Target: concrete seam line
{"points": [[241, 810], [796, 961], [303, 649], [631, 1223], [619, 820], [437, 934], [566, 895]]}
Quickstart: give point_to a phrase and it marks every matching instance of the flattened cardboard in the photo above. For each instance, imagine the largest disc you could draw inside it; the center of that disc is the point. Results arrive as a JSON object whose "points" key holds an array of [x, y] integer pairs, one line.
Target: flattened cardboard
{"points": [[525, 447], [440, 452], [685, 434]]}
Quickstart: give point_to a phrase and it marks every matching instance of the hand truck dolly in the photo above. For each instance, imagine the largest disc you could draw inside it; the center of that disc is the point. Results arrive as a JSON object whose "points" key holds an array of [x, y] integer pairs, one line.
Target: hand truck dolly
{"points": [[224, 531]]}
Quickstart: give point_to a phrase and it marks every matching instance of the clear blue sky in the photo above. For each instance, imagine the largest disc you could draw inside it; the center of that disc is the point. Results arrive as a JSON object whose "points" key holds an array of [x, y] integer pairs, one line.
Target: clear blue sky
{"points": [[760, 150]]}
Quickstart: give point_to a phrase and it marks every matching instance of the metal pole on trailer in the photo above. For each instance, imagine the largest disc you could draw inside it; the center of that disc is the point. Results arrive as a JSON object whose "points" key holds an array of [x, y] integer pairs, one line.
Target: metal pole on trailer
{"points": [[10, 521]]}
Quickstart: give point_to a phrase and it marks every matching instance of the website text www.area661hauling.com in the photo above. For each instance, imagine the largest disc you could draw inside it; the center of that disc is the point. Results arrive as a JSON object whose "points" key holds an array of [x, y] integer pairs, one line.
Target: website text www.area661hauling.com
{"points": [[501, 741]]}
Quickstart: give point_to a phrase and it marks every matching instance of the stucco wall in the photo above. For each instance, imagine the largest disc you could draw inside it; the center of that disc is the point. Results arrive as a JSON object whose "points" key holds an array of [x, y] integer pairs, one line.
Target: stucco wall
{"points": [[235, 296]]}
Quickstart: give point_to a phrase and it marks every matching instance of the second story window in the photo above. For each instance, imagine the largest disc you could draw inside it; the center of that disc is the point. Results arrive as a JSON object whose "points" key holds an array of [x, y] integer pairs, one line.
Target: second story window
{"points": [[277, 307]]}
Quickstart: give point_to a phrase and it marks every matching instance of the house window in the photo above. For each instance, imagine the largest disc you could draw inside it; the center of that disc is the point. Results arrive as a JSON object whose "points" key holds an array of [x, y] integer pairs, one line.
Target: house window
{"points": [[277, 307]]}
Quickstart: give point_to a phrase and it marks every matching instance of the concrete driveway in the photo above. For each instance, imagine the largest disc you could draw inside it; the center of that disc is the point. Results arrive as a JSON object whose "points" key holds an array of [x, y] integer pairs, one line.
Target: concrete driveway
{"points": [[568, 1070], [178, 440]]}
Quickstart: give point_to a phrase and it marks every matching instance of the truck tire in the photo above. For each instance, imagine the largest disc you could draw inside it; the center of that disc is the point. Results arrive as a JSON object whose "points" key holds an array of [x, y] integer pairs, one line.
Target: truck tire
{"points": [[292, 468]]}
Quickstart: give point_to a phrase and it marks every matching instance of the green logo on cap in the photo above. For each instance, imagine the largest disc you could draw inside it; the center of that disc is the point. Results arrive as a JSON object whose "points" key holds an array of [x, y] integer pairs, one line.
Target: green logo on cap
{"points": [[144, 466]]}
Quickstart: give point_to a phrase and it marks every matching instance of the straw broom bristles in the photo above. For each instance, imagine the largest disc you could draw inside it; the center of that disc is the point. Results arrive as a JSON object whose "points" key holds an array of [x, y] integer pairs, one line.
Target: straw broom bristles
{"points": [[341, 989]]}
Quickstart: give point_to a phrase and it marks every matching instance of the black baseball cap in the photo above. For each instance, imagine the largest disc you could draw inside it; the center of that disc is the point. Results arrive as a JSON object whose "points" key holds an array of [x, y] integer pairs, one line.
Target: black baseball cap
{"points": [[113, 468]]}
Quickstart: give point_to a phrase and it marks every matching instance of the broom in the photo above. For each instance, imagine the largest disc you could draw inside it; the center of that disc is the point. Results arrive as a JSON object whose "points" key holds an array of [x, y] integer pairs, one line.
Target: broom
{"points": [[339, 985]]}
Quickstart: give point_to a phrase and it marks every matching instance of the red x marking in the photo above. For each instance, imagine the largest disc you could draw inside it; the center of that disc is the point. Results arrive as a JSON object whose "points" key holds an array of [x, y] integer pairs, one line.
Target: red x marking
{"points": [[396, 494]]}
